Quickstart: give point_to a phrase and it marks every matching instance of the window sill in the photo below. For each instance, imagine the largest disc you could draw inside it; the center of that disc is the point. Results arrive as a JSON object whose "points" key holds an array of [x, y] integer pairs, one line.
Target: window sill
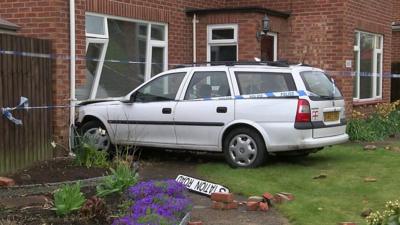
{"points": [[357, 102]]}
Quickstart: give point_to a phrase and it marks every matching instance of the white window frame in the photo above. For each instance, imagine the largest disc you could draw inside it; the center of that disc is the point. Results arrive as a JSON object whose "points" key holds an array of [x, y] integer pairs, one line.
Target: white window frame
{"points": [[376, 51], [96, 38], [222, 42], [105, 27], [96, 79]]}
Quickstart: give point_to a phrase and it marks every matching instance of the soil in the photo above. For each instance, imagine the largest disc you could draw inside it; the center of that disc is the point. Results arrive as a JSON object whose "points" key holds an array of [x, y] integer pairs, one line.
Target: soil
{"points": [[154, 164], [33, 210], [159, 164], [56, 170]]}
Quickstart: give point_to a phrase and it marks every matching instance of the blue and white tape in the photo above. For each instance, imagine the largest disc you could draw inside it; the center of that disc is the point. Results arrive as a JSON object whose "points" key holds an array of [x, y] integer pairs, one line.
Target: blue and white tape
{"points": [[24, 102]]}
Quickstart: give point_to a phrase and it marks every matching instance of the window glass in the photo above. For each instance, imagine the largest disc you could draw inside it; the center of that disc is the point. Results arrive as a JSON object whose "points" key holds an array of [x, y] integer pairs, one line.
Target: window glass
{"points": [[163, 88], [221, 34], [157, 32], [320, 84], [157, 60], [207, 85], [126, 43], [367, 42], [261, 82], [223, 53], [93, 54], [94, 25]]}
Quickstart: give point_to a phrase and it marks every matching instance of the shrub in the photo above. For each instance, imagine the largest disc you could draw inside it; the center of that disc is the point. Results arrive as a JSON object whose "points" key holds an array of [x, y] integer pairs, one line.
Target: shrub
{"points": [[383, 123], [122, 177], [156, 203], [94, 207], [68, 198], [389, 216], [87, 155]]}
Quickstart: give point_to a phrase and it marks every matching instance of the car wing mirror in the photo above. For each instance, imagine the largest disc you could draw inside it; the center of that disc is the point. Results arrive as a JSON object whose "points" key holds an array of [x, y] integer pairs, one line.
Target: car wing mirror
{"points": [[131, 99]]}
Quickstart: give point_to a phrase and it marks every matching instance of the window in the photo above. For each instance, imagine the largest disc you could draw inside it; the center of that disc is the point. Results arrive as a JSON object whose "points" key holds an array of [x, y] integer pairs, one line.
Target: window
{"points": [[222, 43], [261, 82], [320, 84], [163, 88], [367, 65], [95, 26], [207, 85], [121, 55]]}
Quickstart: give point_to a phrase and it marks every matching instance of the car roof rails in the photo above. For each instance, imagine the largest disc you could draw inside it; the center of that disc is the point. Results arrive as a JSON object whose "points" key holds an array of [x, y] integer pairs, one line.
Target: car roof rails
{"points": [[236, 63]]}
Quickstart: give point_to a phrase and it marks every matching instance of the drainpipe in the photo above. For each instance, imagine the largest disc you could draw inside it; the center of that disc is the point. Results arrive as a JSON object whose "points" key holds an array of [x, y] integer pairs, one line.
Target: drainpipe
{"points": [[194, 37], [72, 66]]}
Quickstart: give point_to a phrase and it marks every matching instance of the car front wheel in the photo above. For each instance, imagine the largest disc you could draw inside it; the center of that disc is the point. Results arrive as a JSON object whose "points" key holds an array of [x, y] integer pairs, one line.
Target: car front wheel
{"points": [[244, 147], [94, 133]]}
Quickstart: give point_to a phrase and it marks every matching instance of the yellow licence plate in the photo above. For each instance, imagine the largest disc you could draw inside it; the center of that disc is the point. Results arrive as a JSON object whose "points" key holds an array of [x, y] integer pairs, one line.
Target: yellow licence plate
{"points": [[331, 116]]}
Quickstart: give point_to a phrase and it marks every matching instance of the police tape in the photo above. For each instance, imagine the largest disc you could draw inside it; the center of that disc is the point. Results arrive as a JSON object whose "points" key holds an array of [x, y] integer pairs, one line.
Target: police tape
{"points": [[123, 61], [24, 102]]}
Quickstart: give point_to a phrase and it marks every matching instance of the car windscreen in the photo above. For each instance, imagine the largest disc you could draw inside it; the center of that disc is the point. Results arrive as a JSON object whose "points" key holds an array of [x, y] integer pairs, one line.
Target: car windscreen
{"points": [[320, 85], [264, 82]]}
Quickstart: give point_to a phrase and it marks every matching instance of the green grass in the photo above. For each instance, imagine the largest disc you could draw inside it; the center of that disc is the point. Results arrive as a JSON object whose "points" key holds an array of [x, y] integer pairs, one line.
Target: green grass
{"points": [[341, 196]]}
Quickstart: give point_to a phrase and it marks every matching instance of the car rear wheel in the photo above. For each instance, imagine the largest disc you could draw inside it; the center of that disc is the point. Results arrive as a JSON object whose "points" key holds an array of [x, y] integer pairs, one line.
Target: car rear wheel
{"points": [[244, 147], [96, 134]]}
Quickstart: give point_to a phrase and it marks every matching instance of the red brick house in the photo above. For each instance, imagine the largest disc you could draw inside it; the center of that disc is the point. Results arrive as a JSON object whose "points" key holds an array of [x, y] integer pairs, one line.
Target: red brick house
{"points": [[131, 40]]}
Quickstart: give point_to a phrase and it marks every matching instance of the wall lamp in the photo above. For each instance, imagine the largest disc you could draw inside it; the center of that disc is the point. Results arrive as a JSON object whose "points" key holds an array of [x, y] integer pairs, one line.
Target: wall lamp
{"points": [[265, 28]]}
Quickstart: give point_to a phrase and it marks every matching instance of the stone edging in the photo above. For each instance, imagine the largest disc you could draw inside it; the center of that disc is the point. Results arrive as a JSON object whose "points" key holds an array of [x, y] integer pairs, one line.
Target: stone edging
{"points": [[33, 189]]}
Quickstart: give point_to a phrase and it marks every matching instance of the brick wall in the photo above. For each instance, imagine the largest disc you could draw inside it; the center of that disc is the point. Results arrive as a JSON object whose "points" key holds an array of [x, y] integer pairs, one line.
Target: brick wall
{"points": [[396, 10]]}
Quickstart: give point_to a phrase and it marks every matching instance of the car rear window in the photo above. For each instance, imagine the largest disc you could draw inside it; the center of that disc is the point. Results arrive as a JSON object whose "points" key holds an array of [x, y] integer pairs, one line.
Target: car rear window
{"points": [[263, 82], [320, 84]]}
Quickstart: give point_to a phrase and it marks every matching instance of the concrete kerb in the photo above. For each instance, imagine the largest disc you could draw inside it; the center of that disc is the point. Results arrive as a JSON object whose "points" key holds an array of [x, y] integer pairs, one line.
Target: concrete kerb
{"points": [[33, 189]]}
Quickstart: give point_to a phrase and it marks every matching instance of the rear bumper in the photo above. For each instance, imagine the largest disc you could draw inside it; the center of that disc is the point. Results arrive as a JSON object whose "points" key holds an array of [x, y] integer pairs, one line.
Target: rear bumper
{"points": [[324, 141]]}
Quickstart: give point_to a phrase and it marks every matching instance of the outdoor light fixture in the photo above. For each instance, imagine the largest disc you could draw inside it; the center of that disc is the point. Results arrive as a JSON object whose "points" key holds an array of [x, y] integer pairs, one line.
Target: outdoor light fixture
{"points": [[265, 28]]}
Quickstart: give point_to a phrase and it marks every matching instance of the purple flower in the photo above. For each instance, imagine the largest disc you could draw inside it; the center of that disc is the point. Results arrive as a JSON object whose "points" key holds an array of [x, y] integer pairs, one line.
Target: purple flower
{"points": [[156, 202]]}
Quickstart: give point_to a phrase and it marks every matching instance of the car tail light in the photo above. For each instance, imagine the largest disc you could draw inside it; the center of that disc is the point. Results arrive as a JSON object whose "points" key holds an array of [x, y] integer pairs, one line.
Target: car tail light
{"points": [[303, 111]]}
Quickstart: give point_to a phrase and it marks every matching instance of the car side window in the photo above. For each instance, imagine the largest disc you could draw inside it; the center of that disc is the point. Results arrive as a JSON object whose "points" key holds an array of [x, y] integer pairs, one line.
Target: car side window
{"points": [[163, 88], [207, 85], [262, 82]]}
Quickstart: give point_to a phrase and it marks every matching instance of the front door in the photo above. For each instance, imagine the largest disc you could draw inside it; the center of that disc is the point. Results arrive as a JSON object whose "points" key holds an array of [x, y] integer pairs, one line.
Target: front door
{"points": [[149, 118], [207, 106], [269, 47]]}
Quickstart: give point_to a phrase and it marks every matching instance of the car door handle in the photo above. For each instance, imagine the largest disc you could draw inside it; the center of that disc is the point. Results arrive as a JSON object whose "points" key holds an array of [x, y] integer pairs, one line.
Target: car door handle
{"points": [[166, 110], [222, 109]]}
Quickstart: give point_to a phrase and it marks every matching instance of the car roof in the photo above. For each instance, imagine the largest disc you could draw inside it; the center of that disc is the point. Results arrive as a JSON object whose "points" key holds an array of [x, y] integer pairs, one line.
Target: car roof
{"points": [[288, 68]]}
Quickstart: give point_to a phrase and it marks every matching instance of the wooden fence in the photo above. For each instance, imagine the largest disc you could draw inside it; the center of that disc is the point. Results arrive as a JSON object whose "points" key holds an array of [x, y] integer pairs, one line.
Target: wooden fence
{"points": [[30, 77]]}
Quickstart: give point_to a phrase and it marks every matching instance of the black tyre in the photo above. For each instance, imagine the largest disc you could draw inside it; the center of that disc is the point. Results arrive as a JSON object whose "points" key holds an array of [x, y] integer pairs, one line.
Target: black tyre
{"points": [[244, 147], [96, 134]]}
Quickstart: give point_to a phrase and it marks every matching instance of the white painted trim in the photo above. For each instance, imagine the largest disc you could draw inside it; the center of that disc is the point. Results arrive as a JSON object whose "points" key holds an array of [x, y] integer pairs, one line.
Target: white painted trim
{"points": [[105, 27], [375, 75], [224, 42], [194, 21], [99, 68], [72, 27]]}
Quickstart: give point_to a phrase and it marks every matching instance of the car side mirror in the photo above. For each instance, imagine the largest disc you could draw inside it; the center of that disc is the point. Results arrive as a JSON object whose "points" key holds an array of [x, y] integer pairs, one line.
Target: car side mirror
{"points": [[131, 99]]}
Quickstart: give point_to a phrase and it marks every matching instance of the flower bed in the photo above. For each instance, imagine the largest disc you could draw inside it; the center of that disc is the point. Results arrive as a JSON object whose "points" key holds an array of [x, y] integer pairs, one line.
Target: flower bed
{"points": [[156, 202]]}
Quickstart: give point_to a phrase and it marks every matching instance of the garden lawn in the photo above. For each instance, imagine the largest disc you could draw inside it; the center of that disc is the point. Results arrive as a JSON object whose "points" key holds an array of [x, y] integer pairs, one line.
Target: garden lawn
{"points": [[339, 197]]}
